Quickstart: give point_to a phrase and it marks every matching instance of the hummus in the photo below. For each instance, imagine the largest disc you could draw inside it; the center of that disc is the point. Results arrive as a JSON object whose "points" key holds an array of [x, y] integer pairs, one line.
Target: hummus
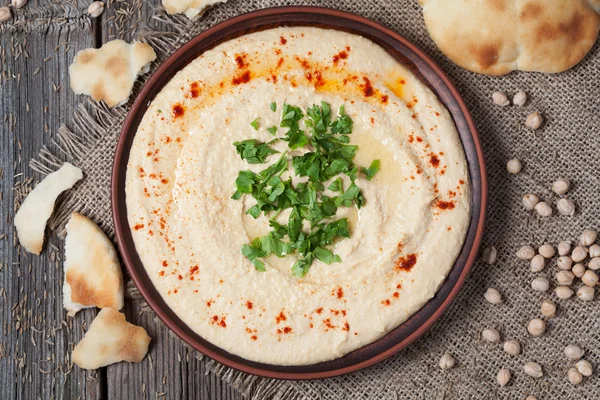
{"points": [[189, 232]]}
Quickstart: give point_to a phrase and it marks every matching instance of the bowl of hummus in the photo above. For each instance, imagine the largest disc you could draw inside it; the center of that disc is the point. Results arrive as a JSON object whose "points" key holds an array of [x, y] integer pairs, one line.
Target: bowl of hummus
{"points": [[299, 192]]}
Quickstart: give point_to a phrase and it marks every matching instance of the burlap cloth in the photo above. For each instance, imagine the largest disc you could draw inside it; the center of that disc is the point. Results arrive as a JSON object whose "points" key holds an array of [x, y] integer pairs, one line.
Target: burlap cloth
{"points": [[567, 146]]}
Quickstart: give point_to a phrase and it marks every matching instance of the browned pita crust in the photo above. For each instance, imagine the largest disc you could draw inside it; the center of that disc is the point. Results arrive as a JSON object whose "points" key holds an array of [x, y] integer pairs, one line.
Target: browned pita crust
{"points": [[555, 36], [111, 339], [93, 276], [495, 37], [108, 73]]}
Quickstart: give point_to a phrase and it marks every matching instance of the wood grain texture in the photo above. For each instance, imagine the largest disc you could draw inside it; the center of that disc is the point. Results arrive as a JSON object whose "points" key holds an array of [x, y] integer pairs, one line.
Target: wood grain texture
{"points": [[37, 337]]}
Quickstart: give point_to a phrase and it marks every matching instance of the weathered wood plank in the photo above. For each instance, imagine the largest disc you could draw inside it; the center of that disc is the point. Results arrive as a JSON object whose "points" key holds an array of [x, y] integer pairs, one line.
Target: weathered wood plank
{"points": [[171, 371], [37, 339]]}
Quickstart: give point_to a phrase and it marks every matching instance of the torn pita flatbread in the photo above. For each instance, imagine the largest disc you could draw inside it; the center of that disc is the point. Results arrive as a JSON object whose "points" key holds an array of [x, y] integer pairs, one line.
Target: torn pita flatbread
{"points": [[495, 37], [37, 208], [191, 8], [93, 276], [108, 73], [110, 339]]}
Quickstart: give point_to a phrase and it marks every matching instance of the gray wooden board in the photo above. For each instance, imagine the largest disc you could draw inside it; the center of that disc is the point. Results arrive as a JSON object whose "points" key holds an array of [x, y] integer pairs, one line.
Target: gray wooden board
{"points": [[37, 338]]}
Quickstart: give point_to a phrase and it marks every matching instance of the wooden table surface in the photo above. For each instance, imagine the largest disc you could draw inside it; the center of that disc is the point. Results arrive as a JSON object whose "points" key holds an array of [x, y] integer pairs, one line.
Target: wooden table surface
{"points": [[37, 339]]}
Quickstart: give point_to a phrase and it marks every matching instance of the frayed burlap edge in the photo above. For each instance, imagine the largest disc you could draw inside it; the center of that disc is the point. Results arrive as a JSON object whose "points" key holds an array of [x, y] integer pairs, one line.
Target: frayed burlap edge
{"points": [[96, 123]]}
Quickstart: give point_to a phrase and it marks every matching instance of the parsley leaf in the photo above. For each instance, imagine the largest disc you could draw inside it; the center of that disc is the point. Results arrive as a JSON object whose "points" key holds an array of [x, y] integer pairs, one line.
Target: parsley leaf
{"points": [[337, 185], [254, 151], [342, 124], [254, 211], [253, 251], [301, 267], [297, 139], [272, 245], [326, 256], [275, 168], [327, 155], [245, 181], [350, 196], [372, 170], [295, 225]]}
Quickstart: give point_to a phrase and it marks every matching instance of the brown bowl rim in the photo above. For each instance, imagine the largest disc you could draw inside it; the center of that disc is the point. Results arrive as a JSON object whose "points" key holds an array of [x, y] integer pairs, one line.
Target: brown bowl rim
{"points": [[268, 370]]}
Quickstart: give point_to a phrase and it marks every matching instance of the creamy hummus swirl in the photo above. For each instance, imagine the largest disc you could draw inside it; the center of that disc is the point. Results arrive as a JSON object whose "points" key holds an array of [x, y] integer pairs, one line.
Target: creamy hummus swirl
{"points": [[189, 232]]}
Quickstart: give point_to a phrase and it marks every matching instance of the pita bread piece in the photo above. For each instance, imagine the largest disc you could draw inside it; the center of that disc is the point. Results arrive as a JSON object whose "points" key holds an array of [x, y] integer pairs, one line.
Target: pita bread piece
{"points": [[191, 8], [93, 276], [109, 340], [108, 73], [37, 208], [495, 37]]}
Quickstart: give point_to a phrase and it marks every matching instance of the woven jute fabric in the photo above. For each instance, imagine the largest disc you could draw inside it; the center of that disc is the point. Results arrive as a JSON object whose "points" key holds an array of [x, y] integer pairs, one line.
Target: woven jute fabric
{"points": [[568, 145]]}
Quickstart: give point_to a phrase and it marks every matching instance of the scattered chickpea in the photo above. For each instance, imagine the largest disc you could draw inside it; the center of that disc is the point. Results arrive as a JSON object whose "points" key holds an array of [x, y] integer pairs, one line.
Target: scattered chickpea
{"points": [[579, 254], [594, 250], [491, 335], [536, 327], [586, 293], [565, 277], [594, 264], [526, 253], [548, 309], [566, 207], [512, 347], [547, 250], [574, 376], [489, 255], [543, 209], [530, 200], [533, 369], [493, 296], [573, 352], [584, 367], [540, 284], [564, 263], [589, 278], [578, 270], [96, 9], [588, 237], [520, 98], [513, 166], [563, 292], [447, 361], [503, 377], [500, 99], [564, 248], [534, 120], [538, 262], [561, 186]]}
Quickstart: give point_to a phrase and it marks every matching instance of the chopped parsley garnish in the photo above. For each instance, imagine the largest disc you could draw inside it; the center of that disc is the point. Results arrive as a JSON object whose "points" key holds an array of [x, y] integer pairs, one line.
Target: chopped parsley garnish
{"points": [[323, 157], [254, 151]]}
